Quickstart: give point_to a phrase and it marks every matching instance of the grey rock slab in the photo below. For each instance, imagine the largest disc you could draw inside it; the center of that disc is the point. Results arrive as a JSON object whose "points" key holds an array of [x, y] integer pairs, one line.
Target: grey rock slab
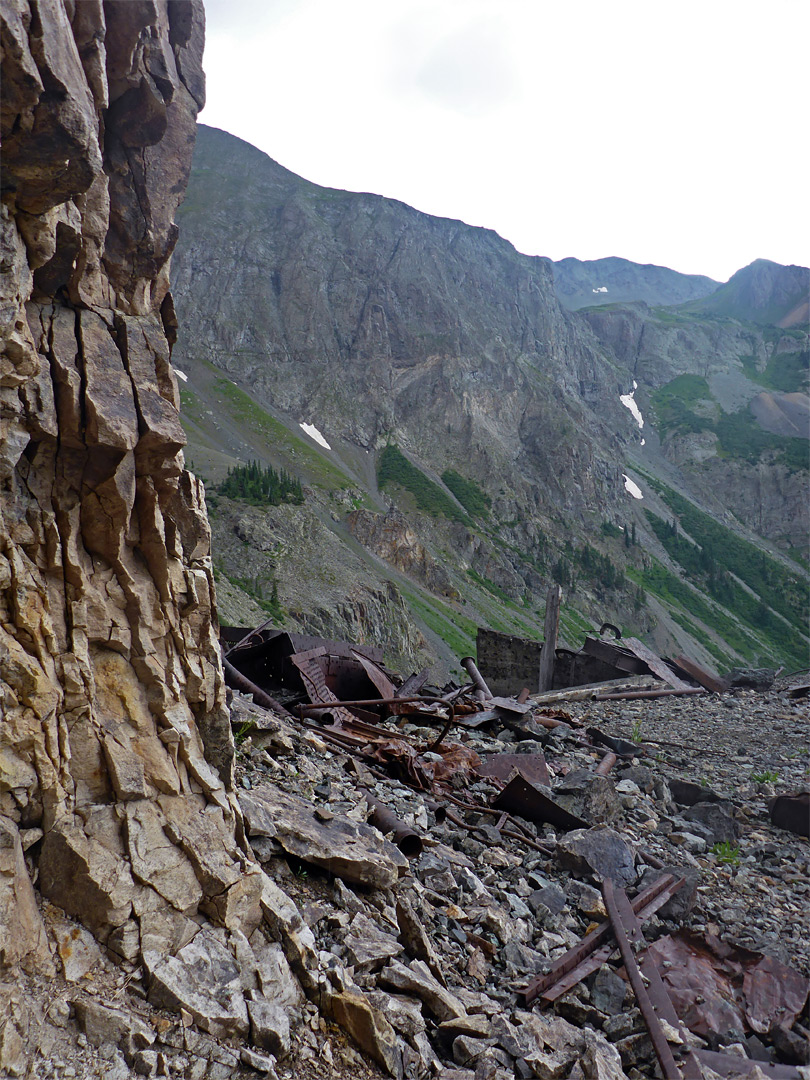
{"points": [[117, 1027], [403, 1013], [608, 991], [718, 823], [599, 852], [368, 947], [417, 979], [156, 861], [599, 1060], [368, 1027], [276, 981], [204, 979], [589, 796], [22, 933], [348, 849], [269, 1026], [681, 904]]}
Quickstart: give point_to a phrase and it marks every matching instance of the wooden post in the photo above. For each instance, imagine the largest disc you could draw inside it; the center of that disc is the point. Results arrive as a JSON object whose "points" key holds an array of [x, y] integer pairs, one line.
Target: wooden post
{"points": [[546, 674]]}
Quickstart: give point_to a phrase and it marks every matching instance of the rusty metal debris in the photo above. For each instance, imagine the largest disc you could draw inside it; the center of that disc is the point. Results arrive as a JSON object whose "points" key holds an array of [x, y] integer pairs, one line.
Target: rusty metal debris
{"points": [[529, 802], [629, 937], [597, 946], [408, 730], [717, 987]]}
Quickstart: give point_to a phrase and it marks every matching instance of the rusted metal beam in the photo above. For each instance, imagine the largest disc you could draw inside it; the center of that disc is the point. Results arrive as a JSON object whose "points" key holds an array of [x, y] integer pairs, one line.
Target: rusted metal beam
{"points": [[645, 904], [663, 1051], [700, 675], [545, 675]]}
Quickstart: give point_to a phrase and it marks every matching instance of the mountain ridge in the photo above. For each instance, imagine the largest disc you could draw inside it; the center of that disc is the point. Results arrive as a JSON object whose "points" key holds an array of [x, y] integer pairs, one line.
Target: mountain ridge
{"points": [[384, 326]]}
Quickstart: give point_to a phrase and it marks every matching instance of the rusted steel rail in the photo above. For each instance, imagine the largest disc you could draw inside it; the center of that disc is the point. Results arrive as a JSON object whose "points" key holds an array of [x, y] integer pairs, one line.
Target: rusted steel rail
{"points": [[645, 904], [663, 1051]]}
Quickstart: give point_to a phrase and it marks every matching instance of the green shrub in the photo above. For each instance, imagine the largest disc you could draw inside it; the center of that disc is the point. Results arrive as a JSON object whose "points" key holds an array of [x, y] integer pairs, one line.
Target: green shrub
{"points": [[394, 468], [469, 494]]}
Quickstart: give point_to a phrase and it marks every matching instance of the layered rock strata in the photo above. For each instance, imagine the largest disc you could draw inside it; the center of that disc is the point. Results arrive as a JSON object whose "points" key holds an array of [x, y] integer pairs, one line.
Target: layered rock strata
{"points": [[115, 745]]}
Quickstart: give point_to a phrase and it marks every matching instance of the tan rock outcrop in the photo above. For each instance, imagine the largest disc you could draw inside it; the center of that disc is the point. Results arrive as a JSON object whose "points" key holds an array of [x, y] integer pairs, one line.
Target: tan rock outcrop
{"points": [[114, 736]]}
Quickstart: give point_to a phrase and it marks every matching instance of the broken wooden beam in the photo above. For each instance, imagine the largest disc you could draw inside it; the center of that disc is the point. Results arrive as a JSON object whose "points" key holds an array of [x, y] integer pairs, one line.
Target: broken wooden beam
{"points": [[549, 649], [655, 663], [700, 675]]}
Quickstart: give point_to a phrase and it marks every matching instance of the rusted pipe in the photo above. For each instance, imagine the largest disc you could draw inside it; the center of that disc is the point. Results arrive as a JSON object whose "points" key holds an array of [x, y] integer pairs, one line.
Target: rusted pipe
{"points": [[482, 691], [606, 764], [237, 681], [384, 819], [633, 695]]}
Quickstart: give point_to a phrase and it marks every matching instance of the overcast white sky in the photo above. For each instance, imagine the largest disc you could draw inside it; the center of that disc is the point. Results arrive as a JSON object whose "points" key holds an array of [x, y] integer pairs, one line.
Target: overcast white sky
{"points": [[673, 133]]}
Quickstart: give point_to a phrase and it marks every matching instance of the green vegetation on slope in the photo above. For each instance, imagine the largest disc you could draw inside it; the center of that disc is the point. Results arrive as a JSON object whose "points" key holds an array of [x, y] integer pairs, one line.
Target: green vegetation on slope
{"points": [[785, 372], [394, 468], [704, 568], [261, 486], [279, 439], [469, 494], [738, 434]]}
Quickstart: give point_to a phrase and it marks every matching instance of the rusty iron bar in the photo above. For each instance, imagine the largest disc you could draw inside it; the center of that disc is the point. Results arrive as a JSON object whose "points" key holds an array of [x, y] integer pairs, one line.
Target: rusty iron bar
{"points": [[606, 764], [481, 687], [595, 960], [589, 944], [662, 1048], [383, 818], [451, 719], [633, 695], [237, 681]]}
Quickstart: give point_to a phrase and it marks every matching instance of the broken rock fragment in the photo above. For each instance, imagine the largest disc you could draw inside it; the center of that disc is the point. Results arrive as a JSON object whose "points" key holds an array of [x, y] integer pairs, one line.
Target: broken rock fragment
{"points": [[600, 853], [204, 979], [589, 796], [416, 979], [351, 850]]}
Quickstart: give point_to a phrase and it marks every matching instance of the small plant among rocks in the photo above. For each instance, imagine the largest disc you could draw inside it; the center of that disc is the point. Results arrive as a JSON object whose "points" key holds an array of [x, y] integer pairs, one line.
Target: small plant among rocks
{"points": [[726, 853], [766, 777]]}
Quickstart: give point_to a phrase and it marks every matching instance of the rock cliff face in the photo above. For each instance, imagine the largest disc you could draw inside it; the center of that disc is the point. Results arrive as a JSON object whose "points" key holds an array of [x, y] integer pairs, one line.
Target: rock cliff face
{"points": [[581, 284], [111, 693]]}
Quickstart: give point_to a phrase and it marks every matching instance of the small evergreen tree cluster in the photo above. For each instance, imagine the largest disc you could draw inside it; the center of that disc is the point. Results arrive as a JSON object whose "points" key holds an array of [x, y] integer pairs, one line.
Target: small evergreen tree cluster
{"points": [[261, 486]]}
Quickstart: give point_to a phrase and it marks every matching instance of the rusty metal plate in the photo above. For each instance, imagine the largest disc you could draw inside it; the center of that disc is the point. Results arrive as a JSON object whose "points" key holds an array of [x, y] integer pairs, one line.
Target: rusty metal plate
{"points": [[524, 799], [376, 674], [717, 987], [531, 766]]}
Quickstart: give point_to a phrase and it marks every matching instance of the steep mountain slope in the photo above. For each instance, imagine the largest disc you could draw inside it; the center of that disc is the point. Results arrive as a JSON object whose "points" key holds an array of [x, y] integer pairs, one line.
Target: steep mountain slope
{"points": [[763, 292], [440, 374], [592, 282]]}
